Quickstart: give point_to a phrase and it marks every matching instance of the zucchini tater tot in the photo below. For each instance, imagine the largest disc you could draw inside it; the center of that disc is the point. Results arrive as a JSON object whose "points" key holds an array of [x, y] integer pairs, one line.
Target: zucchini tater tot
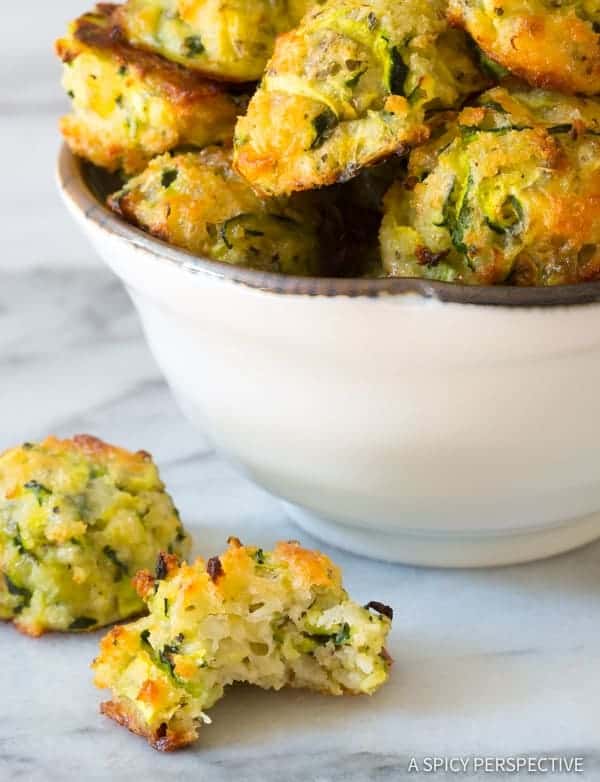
{"points": [[272, 619], [509, 194], [198, 202], [78, 519], [553, 44], [129, 105], [349, 87], [230, 40]]}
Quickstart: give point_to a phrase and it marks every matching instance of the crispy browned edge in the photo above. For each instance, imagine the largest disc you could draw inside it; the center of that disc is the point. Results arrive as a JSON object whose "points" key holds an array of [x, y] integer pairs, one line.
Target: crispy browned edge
{"points": [[179, 84], [39, 632], [540, 79], [161, 739], [123, 203], [144, 580], [94, 445], [246, 167], [30, 633], [124, 712]]}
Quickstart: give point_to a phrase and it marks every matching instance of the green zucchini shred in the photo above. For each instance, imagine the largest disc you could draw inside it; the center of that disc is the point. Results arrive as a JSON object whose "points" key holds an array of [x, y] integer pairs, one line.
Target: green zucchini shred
{"points": [[324, 124], [82, 623]]}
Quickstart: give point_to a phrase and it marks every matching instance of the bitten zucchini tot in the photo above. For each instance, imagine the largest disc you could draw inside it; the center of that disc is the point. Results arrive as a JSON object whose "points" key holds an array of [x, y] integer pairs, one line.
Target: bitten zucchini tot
{"points": [[272, 619]]}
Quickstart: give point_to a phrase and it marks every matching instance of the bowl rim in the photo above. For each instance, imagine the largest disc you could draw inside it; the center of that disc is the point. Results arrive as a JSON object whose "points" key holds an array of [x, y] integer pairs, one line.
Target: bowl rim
{"points": [[73, 181]]}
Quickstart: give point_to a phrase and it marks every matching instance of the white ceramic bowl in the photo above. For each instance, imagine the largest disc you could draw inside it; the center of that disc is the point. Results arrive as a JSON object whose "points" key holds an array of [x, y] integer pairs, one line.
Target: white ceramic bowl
{"points": [[410, 421]]}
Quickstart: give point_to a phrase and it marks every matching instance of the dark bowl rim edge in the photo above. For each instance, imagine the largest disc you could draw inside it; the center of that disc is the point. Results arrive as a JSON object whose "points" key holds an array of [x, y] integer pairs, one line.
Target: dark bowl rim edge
{"points": [[73, 175]]}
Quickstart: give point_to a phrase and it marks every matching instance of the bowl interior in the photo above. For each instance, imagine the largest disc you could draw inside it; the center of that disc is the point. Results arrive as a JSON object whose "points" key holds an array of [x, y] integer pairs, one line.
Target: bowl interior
{"points": [[87, 187]]}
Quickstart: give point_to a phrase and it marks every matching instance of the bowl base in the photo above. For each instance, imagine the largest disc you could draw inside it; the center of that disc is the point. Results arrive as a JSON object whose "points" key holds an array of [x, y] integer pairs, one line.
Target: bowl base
{"points": [[451, 550]]}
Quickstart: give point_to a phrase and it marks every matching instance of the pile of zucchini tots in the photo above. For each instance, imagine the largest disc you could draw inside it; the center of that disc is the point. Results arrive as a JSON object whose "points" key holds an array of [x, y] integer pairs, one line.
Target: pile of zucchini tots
{"points": [[456, 140], [90, 537]]}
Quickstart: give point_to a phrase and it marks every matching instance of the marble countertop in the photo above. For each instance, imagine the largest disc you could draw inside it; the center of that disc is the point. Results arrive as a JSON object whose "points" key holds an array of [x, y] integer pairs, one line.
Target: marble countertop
{"points": [[494, 663]]}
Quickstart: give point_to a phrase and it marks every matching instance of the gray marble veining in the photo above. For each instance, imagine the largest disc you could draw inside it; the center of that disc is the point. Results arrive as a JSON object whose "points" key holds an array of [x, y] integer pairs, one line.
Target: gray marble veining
{"points": [[501, 662]]}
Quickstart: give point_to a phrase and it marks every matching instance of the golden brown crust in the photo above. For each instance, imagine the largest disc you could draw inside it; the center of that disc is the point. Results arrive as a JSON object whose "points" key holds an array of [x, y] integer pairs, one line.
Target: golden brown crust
{"points": [[273, 147], [91, 445], [178, 84], [551, 49], [92, 448], [143, 583], [130, 105], [95, 448], [313, 567], [37, 631], [144, 580], [387, 656], [115, 635], [163, 738], [31, 631]]}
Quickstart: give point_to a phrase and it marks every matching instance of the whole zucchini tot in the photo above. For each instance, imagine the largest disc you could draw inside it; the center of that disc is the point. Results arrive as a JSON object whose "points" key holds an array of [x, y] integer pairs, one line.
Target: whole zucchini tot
{"points": [[198, 202], [509, 193], [351, 86], [272, 619], [78, 519], [231, 41], [549, 44], [130, 105]]}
